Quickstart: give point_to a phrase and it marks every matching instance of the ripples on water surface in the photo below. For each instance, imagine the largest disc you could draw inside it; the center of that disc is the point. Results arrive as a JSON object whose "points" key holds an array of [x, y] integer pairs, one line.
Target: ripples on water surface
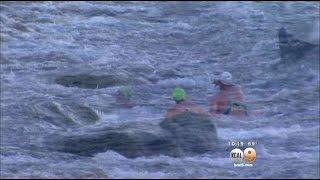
{"points": [[161, 45]]}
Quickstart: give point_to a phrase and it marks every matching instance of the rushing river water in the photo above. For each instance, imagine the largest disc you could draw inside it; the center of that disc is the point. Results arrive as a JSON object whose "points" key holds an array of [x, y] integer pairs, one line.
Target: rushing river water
{"points": [[163, 45]]}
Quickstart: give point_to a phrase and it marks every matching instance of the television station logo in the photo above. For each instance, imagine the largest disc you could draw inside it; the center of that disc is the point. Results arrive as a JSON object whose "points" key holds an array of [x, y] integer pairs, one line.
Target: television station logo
{"points": [[244, 158]]}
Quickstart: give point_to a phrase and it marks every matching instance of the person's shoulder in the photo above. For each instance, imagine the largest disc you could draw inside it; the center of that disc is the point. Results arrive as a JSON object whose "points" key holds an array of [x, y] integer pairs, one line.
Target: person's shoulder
{"points": [[189, 103]]}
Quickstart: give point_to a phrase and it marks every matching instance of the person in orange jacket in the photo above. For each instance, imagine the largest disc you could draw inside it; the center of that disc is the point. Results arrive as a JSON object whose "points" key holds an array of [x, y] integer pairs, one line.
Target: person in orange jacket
{"points": [[183, 105], [229, 100]]}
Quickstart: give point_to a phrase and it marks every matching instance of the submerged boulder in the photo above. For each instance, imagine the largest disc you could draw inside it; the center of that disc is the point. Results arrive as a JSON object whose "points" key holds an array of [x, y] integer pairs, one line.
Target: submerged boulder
{"points": [[186, 134], [95, 81]]}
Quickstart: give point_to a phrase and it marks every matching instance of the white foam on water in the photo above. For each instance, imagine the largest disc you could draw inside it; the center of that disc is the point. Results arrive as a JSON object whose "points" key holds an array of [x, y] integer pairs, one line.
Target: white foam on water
{"points": [[185, 82], [270, 132], [99, 20], [277, 153], [314, 35], [140, 34], [120, 167]]}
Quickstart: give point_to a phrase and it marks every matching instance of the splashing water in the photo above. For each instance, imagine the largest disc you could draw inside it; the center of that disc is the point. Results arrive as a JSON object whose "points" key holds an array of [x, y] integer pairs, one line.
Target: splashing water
{"points": [[161, 45]]}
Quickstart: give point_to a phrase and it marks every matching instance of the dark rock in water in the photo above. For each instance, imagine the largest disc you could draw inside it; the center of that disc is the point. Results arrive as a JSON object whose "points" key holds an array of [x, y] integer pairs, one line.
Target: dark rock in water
{"points": [[166, 74], [133, 145], [191, 133], [20, 27], [292, 48], [296, 56], [65, 115], [130, 140], [187, 134], [94, 81]]}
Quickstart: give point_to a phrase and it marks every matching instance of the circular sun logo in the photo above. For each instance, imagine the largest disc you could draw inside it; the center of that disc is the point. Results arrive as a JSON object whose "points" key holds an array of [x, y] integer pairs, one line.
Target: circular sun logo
{"points": [[250, 155]]}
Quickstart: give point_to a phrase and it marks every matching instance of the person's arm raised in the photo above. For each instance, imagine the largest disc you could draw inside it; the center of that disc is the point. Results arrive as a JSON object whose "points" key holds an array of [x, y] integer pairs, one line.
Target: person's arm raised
{"points": [[214, 107]]}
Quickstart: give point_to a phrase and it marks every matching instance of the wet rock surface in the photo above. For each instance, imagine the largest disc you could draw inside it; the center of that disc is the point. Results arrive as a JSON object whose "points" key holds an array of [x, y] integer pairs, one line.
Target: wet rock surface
{"points": [[94, 81], [183, 135], [293, 49], [65, 115], [191, 133]]}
